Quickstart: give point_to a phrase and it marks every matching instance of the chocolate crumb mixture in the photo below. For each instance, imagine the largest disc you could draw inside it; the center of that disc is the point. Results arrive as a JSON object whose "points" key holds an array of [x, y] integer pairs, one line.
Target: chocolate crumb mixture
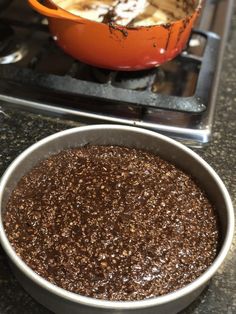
{"points": [[112, 223]]}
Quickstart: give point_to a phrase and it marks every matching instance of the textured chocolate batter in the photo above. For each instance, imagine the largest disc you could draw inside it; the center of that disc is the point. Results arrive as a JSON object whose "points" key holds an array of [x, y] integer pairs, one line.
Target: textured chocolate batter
{"points": [[112, 223]]}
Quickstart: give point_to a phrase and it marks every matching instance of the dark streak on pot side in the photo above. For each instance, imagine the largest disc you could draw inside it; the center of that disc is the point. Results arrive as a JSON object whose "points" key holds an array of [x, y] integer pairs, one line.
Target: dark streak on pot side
{"points": [[182, 28], [168, 38], [114, 27], [166, 25]]}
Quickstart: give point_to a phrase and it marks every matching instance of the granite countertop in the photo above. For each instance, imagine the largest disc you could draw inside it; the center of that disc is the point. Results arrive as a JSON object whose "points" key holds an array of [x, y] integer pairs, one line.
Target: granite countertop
{"points": [[19, 130]]}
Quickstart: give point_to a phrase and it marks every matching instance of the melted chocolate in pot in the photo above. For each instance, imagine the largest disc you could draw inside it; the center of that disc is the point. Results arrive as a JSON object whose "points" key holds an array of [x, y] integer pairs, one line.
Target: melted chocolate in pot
{"points": [[112, 223]]}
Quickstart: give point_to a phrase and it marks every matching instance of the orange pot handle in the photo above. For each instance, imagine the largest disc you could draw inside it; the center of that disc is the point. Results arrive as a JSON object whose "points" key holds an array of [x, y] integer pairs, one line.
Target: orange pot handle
{"points": [[56, 13]]}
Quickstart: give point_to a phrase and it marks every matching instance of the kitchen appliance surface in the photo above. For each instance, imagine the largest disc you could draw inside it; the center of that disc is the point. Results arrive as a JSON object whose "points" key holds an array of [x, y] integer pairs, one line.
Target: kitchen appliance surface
{"points": [[41, 92], [177, 98]]}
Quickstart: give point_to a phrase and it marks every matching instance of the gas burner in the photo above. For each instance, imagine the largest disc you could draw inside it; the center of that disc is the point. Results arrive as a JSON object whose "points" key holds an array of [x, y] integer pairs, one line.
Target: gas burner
{"points": [[139, 80], [101, 75], [10, 50]]}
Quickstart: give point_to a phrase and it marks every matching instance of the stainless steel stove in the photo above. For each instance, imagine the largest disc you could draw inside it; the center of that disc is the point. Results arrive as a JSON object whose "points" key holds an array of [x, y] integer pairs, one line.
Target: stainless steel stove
{"points": [[177, 98]]}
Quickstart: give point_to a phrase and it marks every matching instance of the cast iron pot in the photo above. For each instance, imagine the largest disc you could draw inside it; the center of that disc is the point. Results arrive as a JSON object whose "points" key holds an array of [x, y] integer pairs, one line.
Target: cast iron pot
{"points": [[116, 47], [61, 301]]}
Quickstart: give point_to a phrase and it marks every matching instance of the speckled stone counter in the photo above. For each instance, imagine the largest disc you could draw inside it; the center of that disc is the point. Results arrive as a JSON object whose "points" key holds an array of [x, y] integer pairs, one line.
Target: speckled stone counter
{"points": [[19, 130]]}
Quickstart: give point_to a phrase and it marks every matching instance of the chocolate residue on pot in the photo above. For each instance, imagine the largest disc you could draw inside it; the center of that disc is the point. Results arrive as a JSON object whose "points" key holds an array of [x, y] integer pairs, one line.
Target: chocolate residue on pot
{"points": [[181, 30], [131, 13], [109, 17], [166, 25], [112, 223], [115, 27], [185, 23], [168, 38]]}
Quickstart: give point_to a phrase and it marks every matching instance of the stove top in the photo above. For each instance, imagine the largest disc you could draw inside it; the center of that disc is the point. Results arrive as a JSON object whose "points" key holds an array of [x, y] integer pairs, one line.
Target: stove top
{"points": [[177, 98]]}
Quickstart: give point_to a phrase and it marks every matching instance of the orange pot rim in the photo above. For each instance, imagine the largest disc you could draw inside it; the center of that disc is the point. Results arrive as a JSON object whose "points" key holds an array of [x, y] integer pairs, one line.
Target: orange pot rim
{"points": [[60, 13]]}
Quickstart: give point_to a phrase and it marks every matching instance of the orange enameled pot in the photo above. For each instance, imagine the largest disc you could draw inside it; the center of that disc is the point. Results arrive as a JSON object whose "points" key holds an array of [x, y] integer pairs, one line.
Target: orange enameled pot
{"points": [[113, 46]]}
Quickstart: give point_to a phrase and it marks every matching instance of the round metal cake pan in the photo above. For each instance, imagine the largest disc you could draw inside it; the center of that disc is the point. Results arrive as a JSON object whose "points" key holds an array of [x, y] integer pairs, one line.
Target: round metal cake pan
{"points": [[59, 300]]}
